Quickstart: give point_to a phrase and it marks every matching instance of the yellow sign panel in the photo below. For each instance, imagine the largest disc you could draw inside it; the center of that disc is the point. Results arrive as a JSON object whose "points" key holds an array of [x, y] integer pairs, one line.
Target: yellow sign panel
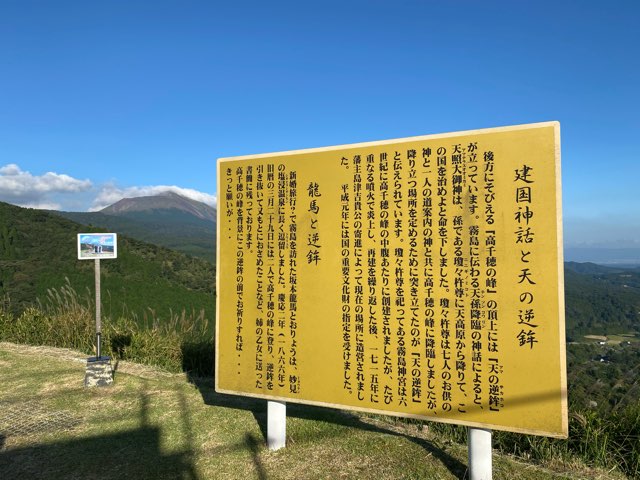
{"points": [[419, 277]]}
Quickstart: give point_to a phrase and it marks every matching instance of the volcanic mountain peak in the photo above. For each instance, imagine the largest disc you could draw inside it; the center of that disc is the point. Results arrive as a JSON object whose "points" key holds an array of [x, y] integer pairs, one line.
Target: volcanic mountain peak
{"points": [[163, 201]]}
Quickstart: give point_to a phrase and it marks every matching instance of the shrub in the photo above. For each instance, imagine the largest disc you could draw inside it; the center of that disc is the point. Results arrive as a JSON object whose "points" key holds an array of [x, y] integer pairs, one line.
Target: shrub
{"points": [[66, 319]]}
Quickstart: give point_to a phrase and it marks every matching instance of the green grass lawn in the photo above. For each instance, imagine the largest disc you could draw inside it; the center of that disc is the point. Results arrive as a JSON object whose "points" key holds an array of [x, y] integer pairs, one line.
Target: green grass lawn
{"points": [[625, 337], [614, 339], [150, 424]]}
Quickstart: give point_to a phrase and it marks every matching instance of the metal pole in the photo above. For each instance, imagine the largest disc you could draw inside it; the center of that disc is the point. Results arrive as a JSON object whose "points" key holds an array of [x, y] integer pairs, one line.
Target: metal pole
{"points": [[480, 462], [276, 425], [98, 325]]}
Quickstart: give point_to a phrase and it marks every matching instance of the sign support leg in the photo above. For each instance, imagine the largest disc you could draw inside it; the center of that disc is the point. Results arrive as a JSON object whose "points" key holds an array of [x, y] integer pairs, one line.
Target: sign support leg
{"points": [[98, 373], [480, 461], [276, 425], [98, 301]]}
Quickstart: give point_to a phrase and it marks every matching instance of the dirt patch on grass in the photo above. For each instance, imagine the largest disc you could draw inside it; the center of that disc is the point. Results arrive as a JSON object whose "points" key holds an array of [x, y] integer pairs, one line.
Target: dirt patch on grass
{"points": [[601, 338]]}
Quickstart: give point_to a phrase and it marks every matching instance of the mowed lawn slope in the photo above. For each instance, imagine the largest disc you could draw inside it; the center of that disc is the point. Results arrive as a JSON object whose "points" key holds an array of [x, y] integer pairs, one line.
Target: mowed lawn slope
{"points": [[151, 424]]}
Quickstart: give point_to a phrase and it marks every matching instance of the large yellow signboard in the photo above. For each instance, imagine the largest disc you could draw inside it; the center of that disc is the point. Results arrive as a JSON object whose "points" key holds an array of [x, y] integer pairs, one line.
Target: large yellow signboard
{"points": [[419, 277]]}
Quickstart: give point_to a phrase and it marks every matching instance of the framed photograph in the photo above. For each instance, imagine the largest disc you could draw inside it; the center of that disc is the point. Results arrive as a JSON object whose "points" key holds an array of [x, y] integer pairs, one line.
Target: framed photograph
{"points": [[97, 245]]}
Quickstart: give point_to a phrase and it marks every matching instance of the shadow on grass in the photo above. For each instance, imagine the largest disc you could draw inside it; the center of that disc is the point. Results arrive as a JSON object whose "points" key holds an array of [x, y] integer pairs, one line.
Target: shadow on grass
{"points": [[129, 454], [252, 443], [134, 453], [258, 408], [198, 356]]}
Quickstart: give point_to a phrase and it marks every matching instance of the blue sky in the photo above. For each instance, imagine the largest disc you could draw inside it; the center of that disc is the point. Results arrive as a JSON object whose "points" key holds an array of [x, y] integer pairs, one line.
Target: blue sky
{"points": [[98, 239], [100, 100]]}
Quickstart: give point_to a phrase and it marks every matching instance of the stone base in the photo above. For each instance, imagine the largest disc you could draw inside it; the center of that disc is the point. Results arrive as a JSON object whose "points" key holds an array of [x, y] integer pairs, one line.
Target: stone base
{"points": [[99, 372]]}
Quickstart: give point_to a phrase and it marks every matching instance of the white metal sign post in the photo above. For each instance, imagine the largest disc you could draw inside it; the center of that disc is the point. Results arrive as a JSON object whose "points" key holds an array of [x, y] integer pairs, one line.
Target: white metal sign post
{"points": [[98, 300], [480, 461], [276, 425], [95, 246]]}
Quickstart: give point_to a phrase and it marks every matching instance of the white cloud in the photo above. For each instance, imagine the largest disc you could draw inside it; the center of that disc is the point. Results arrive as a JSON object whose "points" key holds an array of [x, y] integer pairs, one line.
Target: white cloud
{"points": [[110, 194], [11, 169], [41, 205], [56, 191], [22, 188]]}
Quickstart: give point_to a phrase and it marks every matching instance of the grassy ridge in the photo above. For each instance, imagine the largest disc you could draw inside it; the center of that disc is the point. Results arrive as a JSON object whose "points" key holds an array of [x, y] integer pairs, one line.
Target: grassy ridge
{"points": [[149, 425], [65, 319], [598, 438]]}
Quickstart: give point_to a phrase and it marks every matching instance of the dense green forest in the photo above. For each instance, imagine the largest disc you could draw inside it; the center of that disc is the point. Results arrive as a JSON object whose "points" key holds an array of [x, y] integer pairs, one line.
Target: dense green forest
{"points": [[601, 300], [604, 376], [38, 251]]}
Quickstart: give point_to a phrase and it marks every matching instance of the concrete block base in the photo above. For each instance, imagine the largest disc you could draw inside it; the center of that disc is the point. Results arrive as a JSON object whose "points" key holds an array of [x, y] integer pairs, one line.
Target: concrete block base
{"points": [[99, 372]]}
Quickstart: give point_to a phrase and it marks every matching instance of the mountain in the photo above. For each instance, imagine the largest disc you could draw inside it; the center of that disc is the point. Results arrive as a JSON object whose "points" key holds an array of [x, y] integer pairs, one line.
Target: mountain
{"points": [[613, 257], [590, 268], [167, 219], [38, 251], [161, 202]]}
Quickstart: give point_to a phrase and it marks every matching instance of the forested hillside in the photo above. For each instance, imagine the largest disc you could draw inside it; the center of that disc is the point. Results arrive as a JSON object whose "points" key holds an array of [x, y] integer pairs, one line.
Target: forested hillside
{"points": [[169, 228], [38, 251], [601, 300]]}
